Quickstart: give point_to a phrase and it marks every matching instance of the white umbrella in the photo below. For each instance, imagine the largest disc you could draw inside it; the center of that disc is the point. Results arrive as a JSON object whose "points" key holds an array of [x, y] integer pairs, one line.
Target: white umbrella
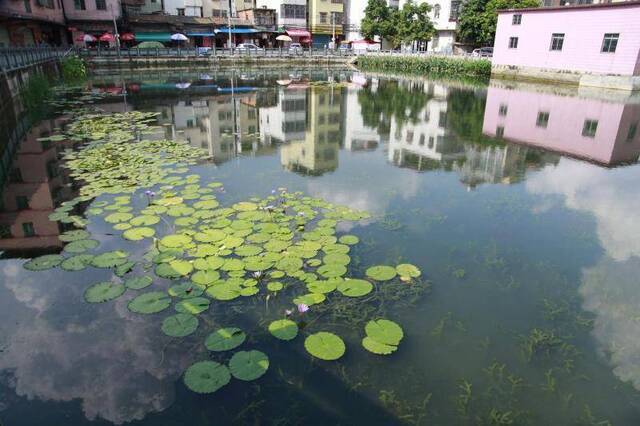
{"points": [[183, 85], [88, 37], [179, 37], [284, 38]]}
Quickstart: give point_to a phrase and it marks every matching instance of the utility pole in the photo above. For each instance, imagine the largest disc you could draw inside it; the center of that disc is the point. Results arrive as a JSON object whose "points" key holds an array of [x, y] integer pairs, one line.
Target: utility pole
{"points": [[333, 26], [229, 27], [115, 26]]}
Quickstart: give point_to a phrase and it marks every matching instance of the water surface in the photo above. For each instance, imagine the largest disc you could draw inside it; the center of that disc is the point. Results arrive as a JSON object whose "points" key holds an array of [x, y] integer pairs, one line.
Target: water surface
{"points": [[519, 204]]}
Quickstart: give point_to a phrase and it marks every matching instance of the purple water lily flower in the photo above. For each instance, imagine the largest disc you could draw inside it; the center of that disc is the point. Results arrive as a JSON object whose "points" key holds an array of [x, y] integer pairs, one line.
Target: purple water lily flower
{"points": [[302, 308]]}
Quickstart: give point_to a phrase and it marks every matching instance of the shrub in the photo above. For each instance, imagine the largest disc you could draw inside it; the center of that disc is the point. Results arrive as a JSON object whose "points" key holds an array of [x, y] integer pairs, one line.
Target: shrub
{"points": [[73, 69], [434, 65], [34, 94]]}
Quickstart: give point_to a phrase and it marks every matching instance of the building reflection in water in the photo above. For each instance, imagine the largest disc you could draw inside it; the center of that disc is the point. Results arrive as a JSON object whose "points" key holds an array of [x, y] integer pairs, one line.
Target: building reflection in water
{"points": [[605, 132], [36, 184]]}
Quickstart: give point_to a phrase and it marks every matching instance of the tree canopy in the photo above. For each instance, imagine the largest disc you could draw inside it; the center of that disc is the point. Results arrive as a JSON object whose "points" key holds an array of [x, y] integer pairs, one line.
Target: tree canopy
{"points": [[409, 24], [478, 18]]}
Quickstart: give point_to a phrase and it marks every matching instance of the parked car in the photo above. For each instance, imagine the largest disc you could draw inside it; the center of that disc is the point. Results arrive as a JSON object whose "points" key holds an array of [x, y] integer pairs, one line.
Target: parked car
{"points": [[296, 48], [483, 52], [248, 47]]}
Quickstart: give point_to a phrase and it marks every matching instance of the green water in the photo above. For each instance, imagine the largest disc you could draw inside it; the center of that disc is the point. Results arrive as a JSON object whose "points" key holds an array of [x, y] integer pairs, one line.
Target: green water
{"points": [[526, 311]]}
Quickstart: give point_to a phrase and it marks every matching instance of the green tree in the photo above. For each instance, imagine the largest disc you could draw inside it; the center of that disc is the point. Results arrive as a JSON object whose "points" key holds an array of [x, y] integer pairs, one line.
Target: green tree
{"points": [[378, 20], [413, 23], [478, 18]]}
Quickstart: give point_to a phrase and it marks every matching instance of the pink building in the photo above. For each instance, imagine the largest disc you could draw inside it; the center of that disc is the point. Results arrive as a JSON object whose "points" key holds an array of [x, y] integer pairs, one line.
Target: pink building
{"points": [[596, 130], [31, 22], [94, 17], [591, 45]]}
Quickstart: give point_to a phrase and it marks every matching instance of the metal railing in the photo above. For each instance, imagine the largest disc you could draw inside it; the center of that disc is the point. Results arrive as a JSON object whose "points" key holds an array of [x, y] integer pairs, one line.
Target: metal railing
{"points": [[15, 58], [199, 52]]}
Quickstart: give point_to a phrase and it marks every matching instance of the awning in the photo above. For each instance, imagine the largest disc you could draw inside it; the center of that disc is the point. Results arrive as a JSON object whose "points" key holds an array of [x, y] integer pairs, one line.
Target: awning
{"points": [[298, 33], [153, 36], [225, 30], [201, 34]]}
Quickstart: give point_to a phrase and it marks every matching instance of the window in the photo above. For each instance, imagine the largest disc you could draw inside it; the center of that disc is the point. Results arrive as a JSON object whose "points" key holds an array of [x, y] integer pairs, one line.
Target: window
{"points": [[294, 11], [610, 42], [79, 4], [336, 1], [499, 131], [421, 140], [28, 230], [101, 4], [516, 19], [436, 11], [557, 40], [190, 123], [5, 231], [323, 17], [589, 128], [453, 14], [337, 17], [434, 42], [180, 11], [27, 6], [22, 203], [502, 110], [543, 119], [513, 42], [409, 137], [632, 131]]}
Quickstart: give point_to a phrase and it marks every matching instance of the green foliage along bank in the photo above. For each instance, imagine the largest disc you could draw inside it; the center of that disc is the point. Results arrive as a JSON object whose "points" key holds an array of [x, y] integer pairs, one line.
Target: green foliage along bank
{"points": [[73, 69], [434, 65]]}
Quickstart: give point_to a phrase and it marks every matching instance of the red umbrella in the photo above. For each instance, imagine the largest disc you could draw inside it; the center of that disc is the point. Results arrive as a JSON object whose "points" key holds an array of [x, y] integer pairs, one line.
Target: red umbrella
{"points": [[107, 37], [127, 37]]}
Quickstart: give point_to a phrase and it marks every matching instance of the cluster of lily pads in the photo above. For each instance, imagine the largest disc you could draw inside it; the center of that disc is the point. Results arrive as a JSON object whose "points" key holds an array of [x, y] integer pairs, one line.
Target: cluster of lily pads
{"points": [[282, 245]]}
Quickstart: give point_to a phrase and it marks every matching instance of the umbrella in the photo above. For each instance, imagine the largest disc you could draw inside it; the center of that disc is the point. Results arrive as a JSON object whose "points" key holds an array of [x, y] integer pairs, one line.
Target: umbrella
{"points": [[150, 45], [107, 37], [179, 37], [87, 38], [283, 82], [284, 38], [183, 85], [127, 37]]}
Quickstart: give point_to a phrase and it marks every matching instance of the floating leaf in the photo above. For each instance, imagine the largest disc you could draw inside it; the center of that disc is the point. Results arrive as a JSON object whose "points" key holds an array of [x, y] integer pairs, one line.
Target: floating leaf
{"points": [[332, 270], [103, 292], [193, 305], [174, 269], [248, 365], [150, 303], [205, 277], [225, 339], [74, 235], [275, 286], [77, 262], [408, 270], [118, 217], [176, 241], [324, 345], [355, 287], [186, 290], [179, 325], [145, 220], [42, 263], [110, 259], [384, 331], [284, 329], [310, 299], [138, 283], [349, 239], [381, 272], [206, 376], [137, 234], [376, 347]]}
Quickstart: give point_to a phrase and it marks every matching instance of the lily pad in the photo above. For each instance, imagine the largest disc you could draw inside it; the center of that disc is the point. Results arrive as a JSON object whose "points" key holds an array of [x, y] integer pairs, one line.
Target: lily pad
{"points": [[248, 365], [408, 270], [355, 287], [118, 217], [225, 339], [150, 303], [77, 262], [144, 220], [176, 241], [381, 272], [206, 376], [186, 290], [310, 299], [45, 262], [103, 292], [275, 286], [138, 283], [378, 348], [324, 345], [74, 235], [332, 270], [205, 277], [179, 325], [349, 239], [284, 329], [384, 331], [193, 305], [174, 269], [110, 259], [137, 234]]}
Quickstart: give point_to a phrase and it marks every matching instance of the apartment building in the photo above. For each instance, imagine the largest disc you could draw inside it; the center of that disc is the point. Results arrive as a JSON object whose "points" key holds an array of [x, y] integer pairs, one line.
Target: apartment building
{"points": [[31, 23]]}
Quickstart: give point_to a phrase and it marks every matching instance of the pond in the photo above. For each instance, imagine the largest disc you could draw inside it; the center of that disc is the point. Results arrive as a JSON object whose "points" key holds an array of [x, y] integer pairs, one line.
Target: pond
{"points": [[321, 246]]}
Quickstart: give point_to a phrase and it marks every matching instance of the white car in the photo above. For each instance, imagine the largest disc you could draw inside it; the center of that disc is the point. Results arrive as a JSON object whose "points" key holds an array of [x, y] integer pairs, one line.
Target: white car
{"points": [[295, 48], [483, 52], [248, 47]]}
